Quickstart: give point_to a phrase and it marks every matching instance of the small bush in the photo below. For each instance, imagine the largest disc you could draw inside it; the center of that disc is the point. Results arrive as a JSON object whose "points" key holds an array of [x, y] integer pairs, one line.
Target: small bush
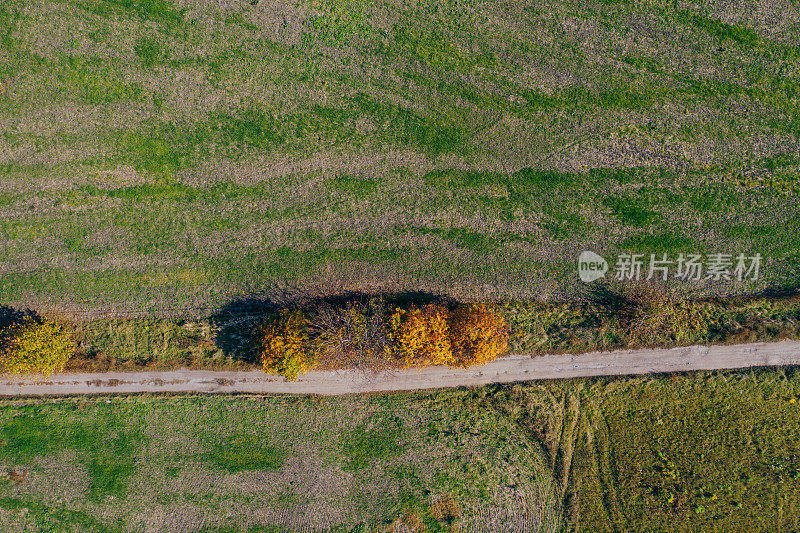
{"points": [[35, 346], [283, 345], [477, 334], [422, 336]]}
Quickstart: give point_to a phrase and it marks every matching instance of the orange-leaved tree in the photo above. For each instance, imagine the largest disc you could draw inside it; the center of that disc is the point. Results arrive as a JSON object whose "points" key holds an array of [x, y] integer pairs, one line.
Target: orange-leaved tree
{"points": [[478, 334], [35, 346], [283, 344], [422, 335]]}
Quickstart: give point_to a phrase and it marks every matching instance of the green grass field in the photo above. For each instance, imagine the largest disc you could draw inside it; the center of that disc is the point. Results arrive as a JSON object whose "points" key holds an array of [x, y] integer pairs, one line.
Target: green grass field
{"points": [[270, 464], [663, 453], [165, 158]]}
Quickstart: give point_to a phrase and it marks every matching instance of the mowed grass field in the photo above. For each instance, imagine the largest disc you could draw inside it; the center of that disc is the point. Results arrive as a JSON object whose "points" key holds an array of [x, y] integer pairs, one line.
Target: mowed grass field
{"points": [[167, 157], [712, 450]]}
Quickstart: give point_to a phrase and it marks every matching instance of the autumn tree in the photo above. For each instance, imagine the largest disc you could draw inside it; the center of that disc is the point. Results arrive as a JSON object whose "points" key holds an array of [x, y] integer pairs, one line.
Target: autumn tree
{"points": [[422, 336], [35, 346], [283, 344], [478, 334], [355, 334]]}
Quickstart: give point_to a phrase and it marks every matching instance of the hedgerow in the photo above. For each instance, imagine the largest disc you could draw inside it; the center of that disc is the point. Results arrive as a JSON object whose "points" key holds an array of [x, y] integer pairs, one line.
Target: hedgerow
{"points": [[374, 336], [362, 334]]}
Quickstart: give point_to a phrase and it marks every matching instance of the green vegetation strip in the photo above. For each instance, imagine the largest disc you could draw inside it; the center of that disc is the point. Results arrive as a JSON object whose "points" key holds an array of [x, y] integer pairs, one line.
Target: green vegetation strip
{"points": [[381, 334]]}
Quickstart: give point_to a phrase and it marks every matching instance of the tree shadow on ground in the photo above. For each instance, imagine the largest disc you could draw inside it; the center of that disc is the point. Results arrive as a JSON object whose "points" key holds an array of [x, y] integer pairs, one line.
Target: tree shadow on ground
{"points": [[778, 293], [236, 321], [607, 297], [618, 297], [10, 316]]}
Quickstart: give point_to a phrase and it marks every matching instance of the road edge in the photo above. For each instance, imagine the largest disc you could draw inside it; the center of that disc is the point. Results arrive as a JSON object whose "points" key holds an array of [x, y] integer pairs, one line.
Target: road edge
{"points": [[330, 383]]}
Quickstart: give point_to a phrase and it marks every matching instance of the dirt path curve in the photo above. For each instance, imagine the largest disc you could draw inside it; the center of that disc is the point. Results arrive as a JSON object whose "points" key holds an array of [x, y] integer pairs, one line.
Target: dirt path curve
{"points": [[509, 369]]}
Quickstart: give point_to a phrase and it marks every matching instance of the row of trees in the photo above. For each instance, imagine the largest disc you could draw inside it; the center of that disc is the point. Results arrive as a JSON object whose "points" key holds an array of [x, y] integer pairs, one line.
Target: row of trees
{"points": [[373, 336], [357, 334], [369, 334]]}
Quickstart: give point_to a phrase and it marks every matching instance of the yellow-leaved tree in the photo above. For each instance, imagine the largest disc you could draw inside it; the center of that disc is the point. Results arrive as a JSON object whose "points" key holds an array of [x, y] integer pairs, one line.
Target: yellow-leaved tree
{"points": [[478, 334], [35, 346], [422, 336], [283, 344]]}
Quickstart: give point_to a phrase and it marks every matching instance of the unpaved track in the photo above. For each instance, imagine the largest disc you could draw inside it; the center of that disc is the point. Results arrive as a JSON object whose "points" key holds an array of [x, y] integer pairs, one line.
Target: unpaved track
{"points": [[509, 369]]}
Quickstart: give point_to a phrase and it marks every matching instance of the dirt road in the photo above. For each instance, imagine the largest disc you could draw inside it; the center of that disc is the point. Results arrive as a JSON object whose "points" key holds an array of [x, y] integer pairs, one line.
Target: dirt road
{"points": [[510, 369]]}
